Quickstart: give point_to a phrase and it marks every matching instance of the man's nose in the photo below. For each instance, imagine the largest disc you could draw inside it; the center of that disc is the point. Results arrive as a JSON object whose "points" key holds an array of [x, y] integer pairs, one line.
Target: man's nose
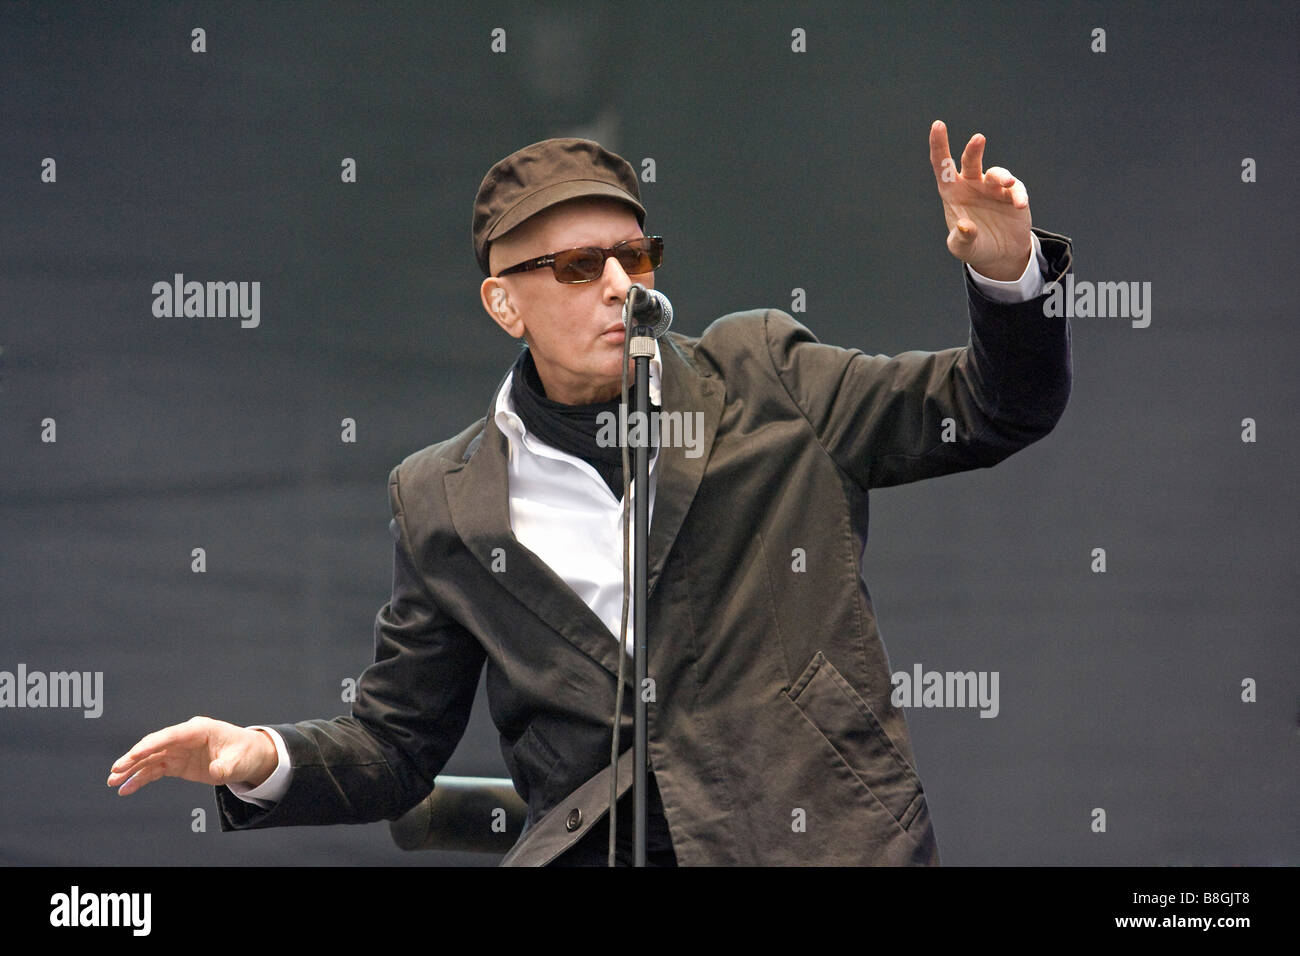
{"points": [[616, 281]]}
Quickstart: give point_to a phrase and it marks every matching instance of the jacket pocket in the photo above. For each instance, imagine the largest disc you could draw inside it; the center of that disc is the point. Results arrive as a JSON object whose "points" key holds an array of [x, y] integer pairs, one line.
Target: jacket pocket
{"points": [[843, 717]]}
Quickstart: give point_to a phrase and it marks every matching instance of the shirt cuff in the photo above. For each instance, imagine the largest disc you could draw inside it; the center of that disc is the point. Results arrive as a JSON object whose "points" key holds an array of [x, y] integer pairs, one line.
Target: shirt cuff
{"points": [[271, 790], [1028, 286]]}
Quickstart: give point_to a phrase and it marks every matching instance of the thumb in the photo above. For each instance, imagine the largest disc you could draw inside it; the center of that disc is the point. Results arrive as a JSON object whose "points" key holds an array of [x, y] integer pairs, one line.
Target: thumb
{"points": [[961, 240], [219, 770]]}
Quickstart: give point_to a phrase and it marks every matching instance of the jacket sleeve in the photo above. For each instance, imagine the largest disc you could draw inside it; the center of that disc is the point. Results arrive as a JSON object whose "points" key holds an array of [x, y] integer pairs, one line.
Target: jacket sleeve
{"points": [[412, 706], [885, 420]]}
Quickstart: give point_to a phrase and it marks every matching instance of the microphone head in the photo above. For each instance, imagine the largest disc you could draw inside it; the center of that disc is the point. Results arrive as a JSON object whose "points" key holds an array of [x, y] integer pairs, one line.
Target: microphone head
{"points": [[651, 308]]}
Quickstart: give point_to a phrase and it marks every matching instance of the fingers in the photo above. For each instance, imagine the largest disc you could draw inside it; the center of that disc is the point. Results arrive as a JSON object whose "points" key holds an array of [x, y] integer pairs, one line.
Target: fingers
{"points": [[152, 748], [141, 778], [961, 240], [1010, 188], [123, 771], [146, 747], [152, 743], [972, 161], [971, 158], [1020, 196], [997, 176], [940, 158]]}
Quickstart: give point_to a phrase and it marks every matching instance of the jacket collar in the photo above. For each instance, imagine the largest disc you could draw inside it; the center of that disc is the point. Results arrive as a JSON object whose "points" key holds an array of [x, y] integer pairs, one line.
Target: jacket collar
{"points": [[478, 498]]}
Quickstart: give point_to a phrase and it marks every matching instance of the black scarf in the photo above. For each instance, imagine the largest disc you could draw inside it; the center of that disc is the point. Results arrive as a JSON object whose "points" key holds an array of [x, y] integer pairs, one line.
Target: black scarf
{"points": [[569, 428]]}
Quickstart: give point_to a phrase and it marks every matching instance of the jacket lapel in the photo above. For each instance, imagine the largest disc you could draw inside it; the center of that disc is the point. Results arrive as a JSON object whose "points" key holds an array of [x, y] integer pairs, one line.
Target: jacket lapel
{"points": [[478, 498], [686, 391]]}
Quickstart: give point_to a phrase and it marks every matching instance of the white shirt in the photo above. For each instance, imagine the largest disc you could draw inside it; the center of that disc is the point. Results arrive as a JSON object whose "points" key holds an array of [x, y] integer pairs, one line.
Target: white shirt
{"points": [[562, 511], [571, 521]]}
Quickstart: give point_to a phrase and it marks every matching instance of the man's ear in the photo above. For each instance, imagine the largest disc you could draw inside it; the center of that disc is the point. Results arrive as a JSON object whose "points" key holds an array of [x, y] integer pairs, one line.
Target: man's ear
{"points": [[499, 305]]}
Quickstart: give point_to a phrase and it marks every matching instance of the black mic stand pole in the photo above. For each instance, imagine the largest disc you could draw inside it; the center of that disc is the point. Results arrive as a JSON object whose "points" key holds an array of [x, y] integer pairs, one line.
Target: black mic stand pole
{"points": [[642, 349]]}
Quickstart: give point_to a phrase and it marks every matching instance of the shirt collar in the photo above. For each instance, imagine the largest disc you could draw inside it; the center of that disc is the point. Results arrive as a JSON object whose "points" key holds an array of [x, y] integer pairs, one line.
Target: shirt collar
{"points": [[512, 426]]}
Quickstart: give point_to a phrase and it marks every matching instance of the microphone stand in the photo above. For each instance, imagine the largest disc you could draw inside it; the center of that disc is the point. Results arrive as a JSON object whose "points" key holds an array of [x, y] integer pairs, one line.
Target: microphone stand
{"points": [[641, 347]]}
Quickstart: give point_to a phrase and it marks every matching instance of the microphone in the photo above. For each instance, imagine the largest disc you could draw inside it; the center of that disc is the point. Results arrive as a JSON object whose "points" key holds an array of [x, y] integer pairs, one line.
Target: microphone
{"points": [[650, 307]]}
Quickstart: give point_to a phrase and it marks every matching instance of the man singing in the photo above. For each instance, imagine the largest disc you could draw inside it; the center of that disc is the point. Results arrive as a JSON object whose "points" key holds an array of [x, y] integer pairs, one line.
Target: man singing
{"points": [[772, 738]]}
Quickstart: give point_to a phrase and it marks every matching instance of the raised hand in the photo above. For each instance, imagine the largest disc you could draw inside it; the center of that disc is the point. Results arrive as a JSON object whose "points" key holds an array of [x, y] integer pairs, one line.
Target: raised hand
{"points": [[987, 212], [202, 750]]}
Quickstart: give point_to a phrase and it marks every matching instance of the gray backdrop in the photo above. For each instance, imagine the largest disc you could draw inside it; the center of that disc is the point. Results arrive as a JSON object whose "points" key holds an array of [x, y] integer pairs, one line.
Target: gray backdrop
{"points": [[775, 170]]}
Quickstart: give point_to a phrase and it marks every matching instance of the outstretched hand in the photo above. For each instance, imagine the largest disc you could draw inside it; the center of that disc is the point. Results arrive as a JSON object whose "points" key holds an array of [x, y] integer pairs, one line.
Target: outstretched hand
{"points": [[202, 750], [987, 212]]}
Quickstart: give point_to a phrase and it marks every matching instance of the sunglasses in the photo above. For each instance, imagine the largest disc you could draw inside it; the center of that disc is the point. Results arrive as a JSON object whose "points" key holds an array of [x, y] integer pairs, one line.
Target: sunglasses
{"points": [[586, 263]]}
